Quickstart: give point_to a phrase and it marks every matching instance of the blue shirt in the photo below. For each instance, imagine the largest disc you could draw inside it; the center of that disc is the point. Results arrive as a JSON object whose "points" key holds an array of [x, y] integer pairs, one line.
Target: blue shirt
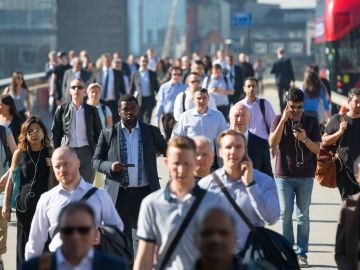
{"points": [[220, 99], [166, 97], [259, 201], [209, 124], [145, 83]]}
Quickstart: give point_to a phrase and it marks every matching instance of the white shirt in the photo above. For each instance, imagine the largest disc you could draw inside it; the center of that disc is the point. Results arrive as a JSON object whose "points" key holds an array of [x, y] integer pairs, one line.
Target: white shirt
{"points": [[77, 135], [85, 264], [132, 147], [189, 103], [45, 219], [110, 86]]}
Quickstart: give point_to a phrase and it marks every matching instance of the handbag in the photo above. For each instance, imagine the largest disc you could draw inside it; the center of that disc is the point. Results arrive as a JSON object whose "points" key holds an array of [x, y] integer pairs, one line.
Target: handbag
{"points": [[263, 243], [325, 173]]}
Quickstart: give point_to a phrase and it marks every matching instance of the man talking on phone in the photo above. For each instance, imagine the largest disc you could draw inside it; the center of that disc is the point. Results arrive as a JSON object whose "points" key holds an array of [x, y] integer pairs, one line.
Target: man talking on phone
{"points": [[254, 191], [126, 153], [297, 137]]}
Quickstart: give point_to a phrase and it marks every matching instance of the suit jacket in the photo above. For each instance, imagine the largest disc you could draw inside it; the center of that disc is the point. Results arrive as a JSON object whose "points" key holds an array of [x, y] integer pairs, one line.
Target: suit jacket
{"points": [[238, 85], [347, 235], [135, 84], [259, 153], [283, 70], [108, 151], [119, 84], [62, 123], [247, 69], [68, 77], [100, 262]]}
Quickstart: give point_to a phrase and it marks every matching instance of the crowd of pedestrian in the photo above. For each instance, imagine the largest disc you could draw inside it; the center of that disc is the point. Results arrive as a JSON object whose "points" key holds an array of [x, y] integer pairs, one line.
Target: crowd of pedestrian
{"points": [[217, 135]]}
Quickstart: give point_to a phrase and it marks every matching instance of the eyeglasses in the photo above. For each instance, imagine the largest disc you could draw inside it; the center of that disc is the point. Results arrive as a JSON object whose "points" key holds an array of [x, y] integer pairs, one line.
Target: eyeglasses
{"points": [[33, 131], [176, 74], [77, 87], [83, 230], [195, 81], [299, 107]]}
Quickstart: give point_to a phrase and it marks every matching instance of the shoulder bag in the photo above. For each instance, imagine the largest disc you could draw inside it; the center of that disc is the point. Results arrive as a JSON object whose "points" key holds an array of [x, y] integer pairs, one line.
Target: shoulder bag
{"points": [[262, 243]]}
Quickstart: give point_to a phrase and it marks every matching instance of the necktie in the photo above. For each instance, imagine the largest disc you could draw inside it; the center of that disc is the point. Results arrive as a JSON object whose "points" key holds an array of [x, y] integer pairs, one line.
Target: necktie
{"points": [[106, 83]]}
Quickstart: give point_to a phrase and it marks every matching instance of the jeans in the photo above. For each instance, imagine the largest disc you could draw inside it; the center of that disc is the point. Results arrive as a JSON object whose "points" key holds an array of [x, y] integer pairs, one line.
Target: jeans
{"points": [[288, 190]]}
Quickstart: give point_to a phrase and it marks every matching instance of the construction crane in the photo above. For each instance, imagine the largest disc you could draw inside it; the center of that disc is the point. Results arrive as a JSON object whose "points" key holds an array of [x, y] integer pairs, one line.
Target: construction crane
{"points": [[170, 29]]}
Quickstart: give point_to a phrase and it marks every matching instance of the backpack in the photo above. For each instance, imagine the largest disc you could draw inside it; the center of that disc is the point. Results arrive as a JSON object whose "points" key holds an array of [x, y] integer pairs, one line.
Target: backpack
{"points": [[8, 155]]}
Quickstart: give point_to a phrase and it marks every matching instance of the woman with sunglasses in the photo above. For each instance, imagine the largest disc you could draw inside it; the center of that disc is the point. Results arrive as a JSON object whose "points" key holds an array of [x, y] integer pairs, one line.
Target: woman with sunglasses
{"points": [[32, 160], [9, 116], [19, 91]]}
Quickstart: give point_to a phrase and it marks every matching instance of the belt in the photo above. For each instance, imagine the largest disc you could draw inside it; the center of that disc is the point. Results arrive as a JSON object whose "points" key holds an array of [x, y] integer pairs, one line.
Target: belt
{"points": [[134, 189]]}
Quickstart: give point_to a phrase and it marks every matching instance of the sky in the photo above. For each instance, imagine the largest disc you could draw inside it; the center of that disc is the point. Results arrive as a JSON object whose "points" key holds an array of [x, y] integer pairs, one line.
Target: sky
{"points": [[291, 3]]}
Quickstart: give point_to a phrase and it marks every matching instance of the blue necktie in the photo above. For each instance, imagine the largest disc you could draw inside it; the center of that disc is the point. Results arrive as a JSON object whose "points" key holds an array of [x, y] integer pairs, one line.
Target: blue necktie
{"points": [[106, 83]]}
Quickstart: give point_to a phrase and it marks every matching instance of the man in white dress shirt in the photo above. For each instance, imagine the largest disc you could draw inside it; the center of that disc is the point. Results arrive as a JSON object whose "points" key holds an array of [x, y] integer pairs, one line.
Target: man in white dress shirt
{"points": [[72, 187]]}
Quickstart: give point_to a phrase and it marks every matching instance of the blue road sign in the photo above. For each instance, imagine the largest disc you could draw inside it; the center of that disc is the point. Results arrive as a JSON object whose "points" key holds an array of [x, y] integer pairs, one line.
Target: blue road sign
{"points": [[242, 19]]}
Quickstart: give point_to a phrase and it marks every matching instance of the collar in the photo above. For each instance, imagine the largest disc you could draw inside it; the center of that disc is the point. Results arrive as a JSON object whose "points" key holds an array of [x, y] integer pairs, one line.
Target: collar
{"points": [[61, 259], [224, 177], [81, 185], [169, 196], [246, 134], [123, 126], [74, 108], [194, 112], [142, 69], [249, 102], [213, 77], [106, 69]]}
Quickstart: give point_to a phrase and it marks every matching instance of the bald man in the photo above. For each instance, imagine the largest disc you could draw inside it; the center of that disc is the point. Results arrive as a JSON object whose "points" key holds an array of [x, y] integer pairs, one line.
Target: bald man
{"points": [[258, 148], [72, 187], [204, 157]]}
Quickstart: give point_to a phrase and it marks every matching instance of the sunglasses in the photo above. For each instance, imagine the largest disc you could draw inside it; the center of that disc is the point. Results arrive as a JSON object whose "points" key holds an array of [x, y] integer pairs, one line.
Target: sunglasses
{"points": [[34, 131], [77, 87], [83, 230], [196, 81]]}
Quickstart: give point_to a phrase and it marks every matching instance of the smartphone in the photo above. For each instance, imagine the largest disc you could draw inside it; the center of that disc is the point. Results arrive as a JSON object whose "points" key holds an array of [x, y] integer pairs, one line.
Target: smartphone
{"points": [[298, 126], [127, 165]]}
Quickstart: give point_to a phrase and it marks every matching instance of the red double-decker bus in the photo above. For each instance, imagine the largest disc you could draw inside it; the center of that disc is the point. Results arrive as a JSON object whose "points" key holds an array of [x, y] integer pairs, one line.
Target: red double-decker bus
{"points": [[337, 44]]}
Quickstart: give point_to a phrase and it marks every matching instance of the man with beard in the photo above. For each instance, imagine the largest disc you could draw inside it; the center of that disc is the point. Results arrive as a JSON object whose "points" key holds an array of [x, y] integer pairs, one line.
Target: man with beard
{"points": [[297, 137], [126, 153], [344, 130]]}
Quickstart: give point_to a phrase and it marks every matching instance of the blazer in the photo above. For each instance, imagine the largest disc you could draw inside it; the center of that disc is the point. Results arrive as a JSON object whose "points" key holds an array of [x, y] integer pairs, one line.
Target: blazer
{"points": [[100, 262], [283, 70], [62, 123], [238, 85], [259, 153], [347, 234], [108, 151], [135, 84], [119, 84], [68, 77]]}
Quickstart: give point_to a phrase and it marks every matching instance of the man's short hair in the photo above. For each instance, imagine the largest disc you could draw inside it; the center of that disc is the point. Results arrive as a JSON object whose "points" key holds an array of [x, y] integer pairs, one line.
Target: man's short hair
{"points": [[200, 90], [78, 79], [92, 85], [199, 62], [176, 68], [106, 55], [253, 79], [182, 142], [353, 92], [295, 95], [229, 132], [217, 66], [204, 140], [74, 207], [127, 98]]}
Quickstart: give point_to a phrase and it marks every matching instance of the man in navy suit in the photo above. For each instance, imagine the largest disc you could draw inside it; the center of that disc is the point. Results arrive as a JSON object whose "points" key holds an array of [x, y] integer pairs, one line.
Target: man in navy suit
{"points": [[258, 148], [78, 232], [284, 74]]}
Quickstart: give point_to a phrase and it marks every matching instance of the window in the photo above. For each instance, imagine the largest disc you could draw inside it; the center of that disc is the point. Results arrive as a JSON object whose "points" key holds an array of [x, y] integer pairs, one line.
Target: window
{"points": [[28, 56], [296, 47], [260, 47]]}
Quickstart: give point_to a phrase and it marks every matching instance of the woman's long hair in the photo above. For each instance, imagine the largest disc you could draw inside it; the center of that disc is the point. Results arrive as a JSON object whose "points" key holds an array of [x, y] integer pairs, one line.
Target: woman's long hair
{"points": [[312, 83], [23, 142], [9, 101]]}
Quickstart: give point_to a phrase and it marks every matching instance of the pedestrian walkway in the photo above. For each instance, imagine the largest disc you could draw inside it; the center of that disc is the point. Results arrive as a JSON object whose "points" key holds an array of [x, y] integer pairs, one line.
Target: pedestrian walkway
{"points": [[324, 213]]}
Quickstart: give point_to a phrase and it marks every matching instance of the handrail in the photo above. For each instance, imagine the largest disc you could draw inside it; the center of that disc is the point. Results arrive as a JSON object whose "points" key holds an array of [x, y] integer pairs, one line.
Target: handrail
{"points": [[28, 78]]}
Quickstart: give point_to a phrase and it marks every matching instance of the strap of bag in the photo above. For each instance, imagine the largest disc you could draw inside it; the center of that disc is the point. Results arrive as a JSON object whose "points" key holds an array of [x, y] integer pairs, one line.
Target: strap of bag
{"points": [[232, 202], [88, 194], [182, 228], [262, 109], [183, 101]]}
